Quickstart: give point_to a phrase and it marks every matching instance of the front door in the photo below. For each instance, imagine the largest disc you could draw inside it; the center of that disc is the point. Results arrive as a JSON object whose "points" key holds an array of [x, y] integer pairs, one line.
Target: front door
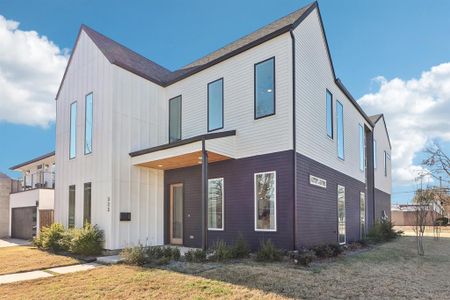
{"points": [[176, 214]]}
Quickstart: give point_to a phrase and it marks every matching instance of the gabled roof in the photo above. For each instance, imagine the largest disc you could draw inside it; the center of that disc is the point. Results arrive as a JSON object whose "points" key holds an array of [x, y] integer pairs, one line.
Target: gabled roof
{"points": [[375, 119], [127, 59]]}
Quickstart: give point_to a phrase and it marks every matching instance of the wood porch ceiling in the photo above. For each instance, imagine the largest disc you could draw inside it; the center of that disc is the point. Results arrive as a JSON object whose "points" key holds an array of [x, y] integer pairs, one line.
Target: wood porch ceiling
{"points": [[182, 161]]}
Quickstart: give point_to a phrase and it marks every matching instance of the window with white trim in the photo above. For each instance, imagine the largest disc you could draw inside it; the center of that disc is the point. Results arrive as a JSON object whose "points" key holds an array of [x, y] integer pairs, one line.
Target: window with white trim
{"points": [[215, 204], [340, 129], [265, 201], [374, 154], [341, 215], [362, 155]]}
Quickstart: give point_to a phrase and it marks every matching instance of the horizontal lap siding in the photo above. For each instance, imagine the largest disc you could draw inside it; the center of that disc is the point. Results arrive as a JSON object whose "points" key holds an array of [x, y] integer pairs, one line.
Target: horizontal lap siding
{"points": [[239, 199], [317, 207]]}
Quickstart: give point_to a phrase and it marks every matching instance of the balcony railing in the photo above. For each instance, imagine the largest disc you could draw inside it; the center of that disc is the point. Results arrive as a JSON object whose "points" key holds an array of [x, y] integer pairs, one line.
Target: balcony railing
{"points": [[38, 180]]}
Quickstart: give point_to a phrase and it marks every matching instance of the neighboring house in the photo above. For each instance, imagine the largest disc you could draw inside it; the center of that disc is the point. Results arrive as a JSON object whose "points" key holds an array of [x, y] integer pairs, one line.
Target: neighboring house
{"points": [[32, 198], [405, 214], [5, 190], [258, 137]]}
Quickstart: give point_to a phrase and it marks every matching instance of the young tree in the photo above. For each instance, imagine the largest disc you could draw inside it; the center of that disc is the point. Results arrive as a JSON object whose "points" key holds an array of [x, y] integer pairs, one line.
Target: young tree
{"points": [[422, 201]]}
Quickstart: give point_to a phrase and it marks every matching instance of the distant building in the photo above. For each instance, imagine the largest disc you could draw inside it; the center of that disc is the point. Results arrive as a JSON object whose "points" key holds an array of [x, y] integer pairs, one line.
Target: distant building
{"points": [[404, 214]]}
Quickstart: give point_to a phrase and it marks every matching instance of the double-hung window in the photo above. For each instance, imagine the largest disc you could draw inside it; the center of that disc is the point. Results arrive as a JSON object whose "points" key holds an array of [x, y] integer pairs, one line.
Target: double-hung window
{"points": [[264, 88], [175, 119], [215, 105], [265, 201], [71, 219], [73, 131], [340, 129], [88, 123], [215, 204], [329, 112], [362, 156]]}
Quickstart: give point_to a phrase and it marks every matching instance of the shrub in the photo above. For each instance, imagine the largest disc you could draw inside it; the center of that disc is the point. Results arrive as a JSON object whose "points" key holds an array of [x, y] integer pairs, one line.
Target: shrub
{"points": [[49, 238], [323, 251], [382, 231], [304, 257], [240, 248], [268, 252], [87, 240], [176, 254], [221, 251], [196, 255], [156, 252], [336, 249], [135, 255]]}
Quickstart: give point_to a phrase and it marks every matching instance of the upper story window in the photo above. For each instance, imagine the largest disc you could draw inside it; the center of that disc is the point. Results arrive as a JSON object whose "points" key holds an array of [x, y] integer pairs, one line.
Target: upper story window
{"points": [[175, 119], [387, 158], [329, 111], [265, 201], [374, 154], [362, 156], [215, 105], [88, 124], [73, 131], [265, 88], [340, 129]]}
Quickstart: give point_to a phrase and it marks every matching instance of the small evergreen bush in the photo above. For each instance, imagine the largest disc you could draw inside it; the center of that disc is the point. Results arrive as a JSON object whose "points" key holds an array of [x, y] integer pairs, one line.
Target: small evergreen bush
{"points": [[49, 238], [268, 252], [240, 248], [323, 251], [382, 231], [195, 255], [221, 251], [87, 240], [304, 257], [136, 256]]}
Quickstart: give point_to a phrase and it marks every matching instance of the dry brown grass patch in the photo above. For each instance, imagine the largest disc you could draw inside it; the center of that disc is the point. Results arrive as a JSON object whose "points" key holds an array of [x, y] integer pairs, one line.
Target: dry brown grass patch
{"points": [[24, 258]]}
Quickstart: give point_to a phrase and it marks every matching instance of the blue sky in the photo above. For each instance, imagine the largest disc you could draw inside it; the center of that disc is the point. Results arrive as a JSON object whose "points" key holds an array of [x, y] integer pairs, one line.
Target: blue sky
{"points": [[367, 39]]}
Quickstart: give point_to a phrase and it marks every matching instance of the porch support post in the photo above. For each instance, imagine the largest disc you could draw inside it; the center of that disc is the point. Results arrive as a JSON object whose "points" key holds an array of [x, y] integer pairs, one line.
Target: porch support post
{"points": [[204, 196]]}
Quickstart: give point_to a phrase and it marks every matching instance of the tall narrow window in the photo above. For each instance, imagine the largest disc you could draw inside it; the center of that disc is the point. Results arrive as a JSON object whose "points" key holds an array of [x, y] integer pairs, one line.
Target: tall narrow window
{"points": [[265, 88], [175, 119], [362, 217], [265, 201], [215, 105], [341, 215], [387, 157], [71, 223], [87, 203], [88, 124], [340, 129], [375, 154], [362, 152], [329, 110], [215, 204], [73, 130]]}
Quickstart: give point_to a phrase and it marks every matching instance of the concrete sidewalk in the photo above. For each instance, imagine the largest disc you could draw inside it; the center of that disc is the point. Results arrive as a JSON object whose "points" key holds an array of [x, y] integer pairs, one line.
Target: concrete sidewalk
{"points": [[17, 277], [7, 242]]}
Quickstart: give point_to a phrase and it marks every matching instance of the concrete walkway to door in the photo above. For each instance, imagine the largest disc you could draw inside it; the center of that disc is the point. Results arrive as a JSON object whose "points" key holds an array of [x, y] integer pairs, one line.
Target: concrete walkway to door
{"points": [[9, 242]]}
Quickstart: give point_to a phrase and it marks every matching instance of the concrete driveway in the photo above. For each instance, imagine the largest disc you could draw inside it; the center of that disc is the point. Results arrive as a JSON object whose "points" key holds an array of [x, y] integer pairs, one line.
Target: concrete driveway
{"points": [[7, 242]]}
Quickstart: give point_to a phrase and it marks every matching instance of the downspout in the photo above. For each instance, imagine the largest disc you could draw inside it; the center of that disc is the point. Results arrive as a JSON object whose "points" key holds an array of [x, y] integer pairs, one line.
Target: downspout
{"points": [[294, 145], [204, 195]]}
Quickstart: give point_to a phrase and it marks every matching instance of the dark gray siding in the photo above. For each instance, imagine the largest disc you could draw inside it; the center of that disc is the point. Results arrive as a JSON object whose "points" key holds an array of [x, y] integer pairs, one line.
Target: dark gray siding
{"points": [[382, 202], [316, 207], [370, 177], [239, 199]]}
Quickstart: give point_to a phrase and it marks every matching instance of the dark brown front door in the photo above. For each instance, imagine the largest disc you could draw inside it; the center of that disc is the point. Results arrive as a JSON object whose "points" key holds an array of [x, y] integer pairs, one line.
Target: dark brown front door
{"points": [[23, 222]]}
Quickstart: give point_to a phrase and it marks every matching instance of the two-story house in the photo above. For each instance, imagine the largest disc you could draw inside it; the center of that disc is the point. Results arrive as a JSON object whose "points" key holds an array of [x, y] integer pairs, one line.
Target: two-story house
{"points": [[258, 138]]}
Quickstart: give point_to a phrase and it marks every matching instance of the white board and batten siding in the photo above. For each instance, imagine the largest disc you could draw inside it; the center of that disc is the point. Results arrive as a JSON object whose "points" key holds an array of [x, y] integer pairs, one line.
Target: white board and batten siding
{"points": [[139, 122], [313, 77], [254, 137], [382, 182]]}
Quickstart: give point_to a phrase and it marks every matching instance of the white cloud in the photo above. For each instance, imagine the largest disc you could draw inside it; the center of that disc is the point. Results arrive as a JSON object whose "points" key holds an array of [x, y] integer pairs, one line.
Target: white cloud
{"points": [[417, 111], [31, 68]]}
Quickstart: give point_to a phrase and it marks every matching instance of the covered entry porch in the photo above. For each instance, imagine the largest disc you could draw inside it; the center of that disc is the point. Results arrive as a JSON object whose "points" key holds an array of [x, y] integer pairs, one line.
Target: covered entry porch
{"points": [[185, 224]]}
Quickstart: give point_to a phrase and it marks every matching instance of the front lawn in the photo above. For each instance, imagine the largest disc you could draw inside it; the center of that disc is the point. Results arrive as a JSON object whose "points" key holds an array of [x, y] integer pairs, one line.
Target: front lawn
{"points": [[24, 258], [391, 270]]}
